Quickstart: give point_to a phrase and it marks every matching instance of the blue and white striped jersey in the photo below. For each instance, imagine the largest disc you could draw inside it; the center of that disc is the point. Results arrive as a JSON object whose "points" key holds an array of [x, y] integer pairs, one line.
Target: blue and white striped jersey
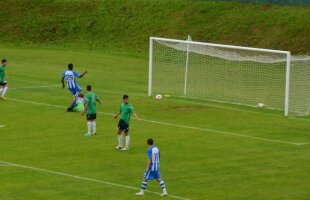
{"points": [[70, 75], [153, 154]]}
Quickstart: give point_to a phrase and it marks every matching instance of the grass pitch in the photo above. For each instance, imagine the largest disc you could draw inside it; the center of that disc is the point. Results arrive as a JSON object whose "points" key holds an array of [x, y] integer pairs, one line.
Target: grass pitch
{"points": [[209, 150]]}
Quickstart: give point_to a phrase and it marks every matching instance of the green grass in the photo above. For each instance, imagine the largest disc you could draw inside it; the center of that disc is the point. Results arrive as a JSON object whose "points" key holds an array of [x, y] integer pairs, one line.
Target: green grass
{"points": [[196, 163], [127, 24]]}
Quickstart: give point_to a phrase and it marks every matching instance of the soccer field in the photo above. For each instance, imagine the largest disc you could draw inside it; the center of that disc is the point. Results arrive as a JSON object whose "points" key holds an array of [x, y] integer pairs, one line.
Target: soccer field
{"points": [[208, 150]]}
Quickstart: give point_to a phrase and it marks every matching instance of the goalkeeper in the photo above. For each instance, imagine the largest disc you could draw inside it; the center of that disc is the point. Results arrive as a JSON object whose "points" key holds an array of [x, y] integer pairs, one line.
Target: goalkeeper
{"points": [[77, 104]]}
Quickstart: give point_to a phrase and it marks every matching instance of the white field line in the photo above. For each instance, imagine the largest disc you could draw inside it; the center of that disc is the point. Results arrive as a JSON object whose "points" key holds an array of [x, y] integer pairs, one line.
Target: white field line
{"points": [[35, 87], [85, 179], [2, 126], [197, 103], [178, 125]]}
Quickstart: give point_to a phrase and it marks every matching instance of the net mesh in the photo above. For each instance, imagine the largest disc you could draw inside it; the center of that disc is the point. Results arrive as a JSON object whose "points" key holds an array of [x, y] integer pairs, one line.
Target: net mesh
{"points": [[230, 75]]}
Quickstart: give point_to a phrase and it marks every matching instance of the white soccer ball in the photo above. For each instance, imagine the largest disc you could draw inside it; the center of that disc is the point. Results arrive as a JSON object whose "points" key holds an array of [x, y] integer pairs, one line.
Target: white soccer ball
{"points": [[260, 105], [158, 97]]}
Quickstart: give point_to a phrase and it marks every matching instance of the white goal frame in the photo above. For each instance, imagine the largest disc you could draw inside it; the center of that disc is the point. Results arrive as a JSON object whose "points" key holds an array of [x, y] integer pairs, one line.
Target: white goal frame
{"points": [[188, 42]]}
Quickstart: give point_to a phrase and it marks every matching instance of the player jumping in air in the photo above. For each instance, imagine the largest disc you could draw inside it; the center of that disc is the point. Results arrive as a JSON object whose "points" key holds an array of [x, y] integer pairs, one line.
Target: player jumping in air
{"points": [[3, 84], [90, 107], [125, 111], [70, 75], [152, 168]]}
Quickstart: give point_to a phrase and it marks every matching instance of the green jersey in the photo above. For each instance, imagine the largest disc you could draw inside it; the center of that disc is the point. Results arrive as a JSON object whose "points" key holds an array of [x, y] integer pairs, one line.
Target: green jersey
{"points": [[90, 100], [126, 110], [2, 70], [79, 105]]}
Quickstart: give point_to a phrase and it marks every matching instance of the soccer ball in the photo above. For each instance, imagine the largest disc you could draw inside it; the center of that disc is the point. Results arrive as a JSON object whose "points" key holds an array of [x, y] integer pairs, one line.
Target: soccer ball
{"points": [[260, 105], [158, 97]]}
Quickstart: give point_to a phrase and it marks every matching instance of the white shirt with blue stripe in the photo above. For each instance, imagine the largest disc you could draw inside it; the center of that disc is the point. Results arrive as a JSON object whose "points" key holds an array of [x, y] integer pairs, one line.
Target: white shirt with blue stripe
{"points": [[153, 154], [70, 75]]}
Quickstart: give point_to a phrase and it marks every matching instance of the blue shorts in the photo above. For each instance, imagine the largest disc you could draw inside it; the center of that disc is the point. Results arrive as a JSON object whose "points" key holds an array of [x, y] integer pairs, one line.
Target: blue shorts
{"points": [[151, 175], [75, 91]]}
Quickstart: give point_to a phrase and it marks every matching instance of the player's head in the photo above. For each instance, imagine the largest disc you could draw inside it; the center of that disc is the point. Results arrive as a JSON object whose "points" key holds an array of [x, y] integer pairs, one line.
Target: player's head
{"points": [[81, 95], [88, 87], [125, 98], [4, 62], [150, 141], [70, 66]]}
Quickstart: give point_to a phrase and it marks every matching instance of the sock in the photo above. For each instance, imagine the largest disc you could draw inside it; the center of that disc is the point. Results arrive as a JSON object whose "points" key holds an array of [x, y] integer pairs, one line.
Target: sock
{"points": [[88, 127], [162, 185], [143, 185], [120, 140], [4, 91], [127, 140], [94, 126], [1, 89]]}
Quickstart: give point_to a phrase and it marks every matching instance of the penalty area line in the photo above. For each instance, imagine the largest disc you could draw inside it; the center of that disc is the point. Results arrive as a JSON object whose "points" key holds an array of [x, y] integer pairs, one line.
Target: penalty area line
{"points": [[84, 178], [180, 126], [2, 126]]}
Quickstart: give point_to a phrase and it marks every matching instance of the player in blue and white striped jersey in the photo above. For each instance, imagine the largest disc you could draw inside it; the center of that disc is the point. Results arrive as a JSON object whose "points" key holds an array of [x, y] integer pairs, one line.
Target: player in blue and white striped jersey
{"points": [[70, 75], [152, 168]]}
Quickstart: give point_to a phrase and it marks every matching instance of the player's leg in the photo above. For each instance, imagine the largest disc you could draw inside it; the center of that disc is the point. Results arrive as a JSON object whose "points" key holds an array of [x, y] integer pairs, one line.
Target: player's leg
{"points": [[127, 137], [163, 186], [93, 125], [5, 89], [119, 135], [147, 176], [89, 123]]}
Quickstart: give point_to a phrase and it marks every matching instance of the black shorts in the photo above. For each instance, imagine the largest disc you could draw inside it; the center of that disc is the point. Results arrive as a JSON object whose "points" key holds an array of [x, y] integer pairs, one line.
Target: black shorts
{"points": [[3, 83], [91, 116], [122, 126]]}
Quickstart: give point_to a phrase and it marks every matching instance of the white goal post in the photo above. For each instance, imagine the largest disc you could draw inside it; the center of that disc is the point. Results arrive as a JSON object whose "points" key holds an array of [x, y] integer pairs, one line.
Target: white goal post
{"points": [[230, 74]]}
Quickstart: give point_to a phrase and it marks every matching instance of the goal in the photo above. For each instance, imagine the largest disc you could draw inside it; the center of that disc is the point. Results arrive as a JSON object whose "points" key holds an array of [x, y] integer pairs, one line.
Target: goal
{"points": [[230, 74]]}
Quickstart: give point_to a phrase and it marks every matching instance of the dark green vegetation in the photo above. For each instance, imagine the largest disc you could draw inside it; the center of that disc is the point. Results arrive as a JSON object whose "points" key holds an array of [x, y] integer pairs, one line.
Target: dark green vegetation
{"points": [[127, 25], [264, 161]]}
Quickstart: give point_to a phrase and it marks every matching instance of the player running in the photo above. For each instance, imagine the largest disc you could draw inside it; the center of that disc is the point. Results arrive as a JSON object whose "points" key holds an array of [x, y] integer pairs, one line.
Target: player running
{"points": [[70, 75], [125, 111], [3, 84], [77, 104], [90, 108], [152, 168]]}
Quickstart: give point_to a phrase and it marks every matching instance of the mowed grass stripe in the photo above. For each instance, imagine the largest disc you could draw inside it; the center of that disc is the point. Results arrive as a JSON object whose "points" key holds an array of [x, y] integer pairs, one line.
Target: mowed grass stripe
{"points": [[177, 125], [83, 178]]}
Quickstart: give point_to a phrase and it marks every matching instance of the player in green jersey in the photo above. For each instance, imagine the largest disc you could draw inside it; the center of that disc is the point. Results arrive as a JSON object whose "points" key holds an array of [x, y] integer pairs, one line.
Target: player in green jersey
{"points": [[90, 99], [3, 84], [77, 104], [125, 111]]}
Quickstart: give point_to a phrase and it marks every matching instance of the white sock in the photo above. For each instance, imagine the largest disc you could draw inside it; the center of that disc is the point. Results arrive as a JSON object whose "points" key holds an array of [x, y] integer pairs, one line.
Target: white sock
{"points": [[1, 89], [127, 140], [88, 127], [120, 140], [4, 91], [94, 126]]}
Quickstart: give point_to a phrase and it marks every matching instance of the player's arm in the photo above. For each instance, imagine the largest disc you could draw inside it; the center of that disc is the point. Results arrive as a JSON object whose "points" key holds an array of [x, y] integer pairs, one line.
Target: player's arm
{"points": [[148, 164], [116, 115], [136, 116], [85, 108], [99, 101], [63, 82], [81, 76]]}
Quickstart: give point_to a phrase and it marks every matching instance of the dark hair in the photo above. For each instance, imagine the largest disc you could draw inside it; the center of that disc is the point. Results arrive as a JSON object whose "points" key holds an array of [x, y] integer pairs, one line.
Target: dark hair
{"points": [[4, 60], [150, 141], [125, 96], [81, 95], [88, 87], [70, 66]]}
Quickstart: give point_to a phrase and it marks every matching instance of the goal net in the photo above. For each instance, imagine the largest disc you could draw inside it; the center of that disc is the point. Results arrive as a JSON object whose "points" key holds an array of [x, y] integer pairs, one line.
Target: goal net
{"points": [[230, 74]]}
